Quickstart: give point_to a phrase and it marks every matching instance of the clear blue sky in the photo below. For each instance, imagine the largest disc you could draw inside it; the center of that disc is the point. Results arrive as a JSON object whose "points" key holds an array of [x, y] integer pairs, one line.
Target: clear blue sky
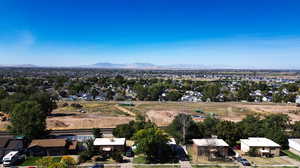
{"points": [[238, 33]]}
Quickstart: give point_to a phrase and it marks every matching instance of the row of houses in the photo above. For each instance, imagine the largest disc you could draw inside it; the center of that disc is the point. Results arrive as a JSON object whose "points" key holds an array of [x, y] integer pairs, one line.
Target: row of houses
{"points": [[38, 147], [216, 149], [211, 148]]}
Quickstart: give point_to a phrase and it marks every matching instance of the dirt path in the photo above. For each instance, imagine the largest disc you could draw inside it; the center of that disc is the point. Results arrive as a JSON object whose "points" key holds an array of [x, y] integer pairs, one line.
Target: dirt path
{"points": [[124, 110]]}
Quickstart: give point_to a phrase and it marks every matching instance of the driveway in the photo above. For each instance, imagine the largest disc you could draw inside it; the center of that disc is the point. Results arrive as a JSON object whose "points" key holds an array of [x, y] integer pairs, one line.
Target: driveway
{"points": [[292, 161]]}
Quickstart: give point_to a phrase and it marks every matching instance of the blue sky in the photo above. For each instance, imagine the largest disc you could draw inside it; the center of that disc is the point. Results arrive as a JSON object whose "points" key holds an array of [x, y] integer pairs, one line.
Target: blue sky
{"points": [[237, 33]]}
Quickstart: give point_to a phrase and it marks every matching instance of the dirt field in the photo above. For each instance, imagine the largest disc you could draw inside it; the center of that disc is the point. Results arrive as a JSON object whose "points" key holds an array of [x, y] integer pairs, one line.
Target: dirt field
{"points": [[163, 113], [109, 114]]}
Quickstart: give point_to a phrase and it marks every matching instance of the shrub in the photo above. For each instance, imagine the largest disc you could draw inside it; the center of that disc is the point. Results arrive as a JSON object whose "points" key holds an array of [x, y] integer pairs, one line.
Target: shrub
{"points": [[84, 156], [117, 156]]}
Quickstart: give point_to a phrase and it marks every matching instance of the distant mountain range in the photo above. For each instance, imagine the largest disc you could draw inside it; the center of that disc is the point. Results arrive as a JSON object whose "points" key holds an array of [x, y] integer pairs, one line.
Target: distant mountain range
{"points": [[153, 66], [20, 65], [149, 66]]}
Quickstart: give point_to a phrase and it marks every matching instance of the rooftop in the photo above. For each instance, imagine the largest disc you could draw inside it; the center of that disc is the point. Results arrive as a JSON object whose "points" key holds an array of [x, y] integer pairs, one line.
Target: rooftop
{"points": [[48, 143], [109, 141], [296, 140], [259, 142], [210, 142], [3, 142]]}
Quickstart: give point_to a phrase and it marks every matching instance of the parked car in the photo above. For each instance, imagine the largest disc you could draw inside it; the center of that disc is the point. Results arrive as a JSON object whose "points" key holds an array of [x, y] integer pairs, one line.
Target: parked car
{"points": [[129, 153], [245, 162], [98, 166]]}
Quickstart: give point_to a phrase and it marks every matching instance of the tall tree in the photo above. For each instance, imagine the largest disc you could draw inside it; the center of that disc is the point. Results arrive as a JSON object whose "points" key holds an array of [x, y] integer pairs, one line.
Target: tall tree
{"points": [[183, 129], [153, 143], [228, 131], [28, 119]]}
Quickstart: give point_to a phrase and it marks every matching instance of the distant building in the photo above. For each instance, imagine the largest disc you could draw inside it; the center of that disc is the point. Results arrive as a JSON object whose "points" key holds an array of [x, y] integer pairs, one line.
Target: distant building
{"points": [[262, 146], [211, 149]]}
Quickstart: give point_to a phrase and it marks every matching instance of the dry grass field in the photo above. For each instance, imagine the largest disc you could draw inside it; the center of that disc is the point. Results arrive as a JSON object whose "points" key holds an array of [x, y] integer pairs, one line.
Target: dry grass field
{"points": [[267, 161], [163, 113], [110, 114]]}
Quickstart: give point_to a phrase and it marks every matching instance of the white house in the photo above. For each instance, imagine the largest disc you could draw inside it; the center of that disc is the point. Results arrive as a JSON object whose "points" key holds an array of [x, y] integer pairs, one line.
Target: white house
{"points": [[110, 144], [298, 100], [294, 145], [263, 146]]}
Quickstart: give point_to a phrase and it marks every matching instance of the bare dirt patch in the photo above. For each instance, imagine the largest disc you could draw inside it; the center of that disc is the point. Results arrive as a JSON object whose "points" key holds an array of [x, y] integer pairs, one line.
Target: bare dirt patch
{"points": [[162, 113], [77, 122]]}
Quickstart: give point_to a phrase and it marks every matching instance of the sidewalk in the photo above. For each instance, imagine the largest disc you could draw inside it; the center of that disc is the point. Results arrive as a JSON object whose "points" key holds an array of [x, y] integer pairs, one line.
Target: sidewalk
{"points": [[185, 164]]}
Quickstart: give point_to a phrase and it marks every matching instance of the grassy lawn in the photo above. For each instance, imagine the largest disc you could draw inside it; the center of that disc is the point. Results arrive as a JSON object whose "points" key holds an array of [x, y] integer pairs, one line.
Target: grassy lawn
{"points": [[30, 161], [194, 159], [156, 166], [281, 167], [199, 166], [140, 159], [267, 161], [291, 155]]}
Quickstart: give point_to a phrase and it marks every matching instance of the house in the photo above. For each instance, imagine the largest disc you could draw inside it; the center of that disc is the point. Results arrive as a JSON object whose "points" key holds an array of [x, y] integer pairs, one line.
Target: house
{"points": [[262, 146], [211, 149], [3, 144], [294, 145], [298, 100], [9, 144], [52, 147], [15, 145], [110, 144]]}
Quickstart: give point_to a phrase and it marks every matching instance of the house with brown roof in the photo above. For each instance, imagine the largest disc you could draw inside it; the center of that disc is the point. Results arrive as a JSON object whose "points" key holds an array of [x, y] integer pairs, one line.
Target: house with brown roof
{"points": [[3, 144], [8, 144], [52, 147]]}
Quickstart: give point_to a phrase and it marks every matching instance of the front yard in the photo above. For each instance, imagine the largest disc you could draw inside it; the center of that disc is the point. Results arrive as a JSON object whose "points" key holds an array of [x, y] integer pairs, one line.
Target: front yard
{"points": [[31, 161], [201, 166], [267, 161], [156, 166], [194, 159]]}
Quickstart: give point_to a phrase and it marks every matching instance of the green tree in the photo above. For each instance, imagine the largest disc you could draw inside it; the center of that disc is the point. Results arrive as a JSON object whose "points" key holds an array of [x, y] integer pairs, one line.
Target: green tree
{"points": [[117, 156], [211, 91], [296, 129], [173, 95], [209, 125], [97, 133], [244, 91], [153, 143], [27, 119], [183, 129], [251, 126], [123, 131], [46, 102], [3, 94], [229, 132], [155, 91]]}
